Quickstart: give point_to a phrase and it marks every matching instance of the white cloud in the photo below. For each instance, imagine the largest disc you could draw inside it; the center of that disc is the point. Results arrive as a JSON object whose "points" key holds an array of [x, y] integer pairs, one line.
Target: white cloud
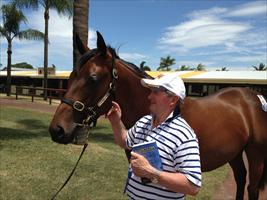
{"points": [[132, 57], [251, 58], [249, 9], [58, 25], [202, 32], [92, 38], [223, 36], [193, 64], [208, 12]]}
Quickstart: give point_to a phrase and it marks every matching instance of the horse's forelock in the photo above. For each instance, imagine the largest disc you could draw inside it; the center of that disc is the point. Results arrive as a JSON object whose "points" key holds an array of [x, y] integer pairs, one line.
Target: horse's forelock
{"points": [[85, 57]]}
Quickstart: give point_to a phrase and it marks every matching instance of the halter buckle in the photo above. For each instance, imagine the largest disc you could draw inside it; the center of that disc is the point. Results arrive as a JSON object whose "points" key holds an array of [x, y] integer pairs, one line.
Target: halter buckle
{"points": [[79, 106]]}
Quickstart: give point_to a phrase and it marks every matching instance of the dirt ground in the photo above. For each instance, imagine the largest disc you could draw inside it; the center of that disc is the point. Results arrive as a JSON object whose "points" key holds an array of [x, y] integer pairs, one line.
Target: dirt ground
{"points": [[225, 192]]}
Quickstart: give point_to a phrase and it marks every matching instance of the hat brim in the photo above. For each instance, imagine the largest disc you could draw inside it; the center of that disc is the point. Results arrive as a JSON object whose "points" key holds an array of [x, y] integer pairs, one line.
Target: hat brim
{"points": [[150, 83]]}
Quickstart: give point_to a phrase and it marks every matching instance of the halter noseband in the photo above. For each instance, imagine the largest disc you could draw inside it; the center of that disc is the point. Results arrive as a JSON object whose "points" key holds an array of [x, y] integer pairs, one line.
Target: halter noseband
{"points": [[92, 110]]}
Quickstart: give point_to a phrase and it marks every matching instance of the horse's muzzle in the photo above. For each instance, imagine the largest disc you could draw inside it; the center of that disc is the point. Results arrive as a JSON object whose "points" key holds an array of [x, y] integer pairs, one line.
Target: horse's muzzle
{"points": [[58, 135], [78, 136]]}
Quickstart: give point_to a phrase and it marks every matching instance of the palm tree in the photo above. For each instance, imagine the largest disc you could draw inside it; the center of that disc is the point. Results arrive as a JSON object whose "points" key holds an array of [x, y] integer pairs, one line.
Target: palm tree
{"points": [[12, 19], [184, 68], [62, 7], [260, 68], [80, 25], [223, 69], [144, 67], [200, 67], [165, 63]]}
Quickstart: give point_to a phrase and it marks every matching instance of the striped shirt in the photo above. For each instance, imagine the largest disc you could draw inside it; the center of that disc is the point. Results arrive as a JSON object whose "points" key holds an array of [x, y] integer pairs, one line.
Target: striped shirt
{"points": [[178, 149]]}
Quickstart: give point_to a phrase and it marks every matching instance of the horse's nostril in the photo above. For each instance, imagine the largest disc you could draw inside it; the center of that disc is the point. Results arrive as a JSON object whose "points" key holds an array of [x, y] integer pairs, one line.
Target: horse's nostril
{"points": [[60, 132], [57, 133]]}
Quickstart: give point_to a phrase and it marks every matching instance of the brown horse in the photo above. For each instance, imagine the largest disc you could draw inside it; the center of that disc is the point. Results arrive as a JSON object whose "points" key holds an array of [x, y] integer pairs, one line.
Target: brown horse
{"points": [[227, 123]]}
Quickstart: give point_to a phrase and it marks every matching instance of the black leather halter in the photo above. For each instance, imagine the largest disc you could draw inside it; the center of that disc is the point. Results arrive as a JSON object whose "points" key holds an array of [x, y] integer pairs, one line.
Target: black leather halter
{"points": [[92, 111]]}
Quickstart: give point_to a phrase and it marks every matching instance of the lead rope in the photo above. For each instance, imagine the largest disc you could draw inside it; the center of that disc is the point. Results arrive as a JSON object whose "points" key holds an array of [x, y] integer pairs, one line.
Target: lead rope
{"points": [[72, 172]]}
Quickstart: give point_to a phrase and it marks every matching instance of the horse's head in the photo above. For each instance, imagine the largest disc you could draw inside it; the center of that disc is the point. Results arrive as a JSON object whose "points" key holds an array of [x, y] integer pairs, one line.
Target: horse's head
{"points": [[89, 93]]}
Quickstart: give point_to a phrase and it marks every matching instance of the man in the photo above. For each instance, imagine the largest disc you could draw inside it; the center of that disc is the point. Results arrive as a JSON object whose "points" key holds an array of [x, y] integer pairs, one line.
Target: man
{"points": [[176, 141]]}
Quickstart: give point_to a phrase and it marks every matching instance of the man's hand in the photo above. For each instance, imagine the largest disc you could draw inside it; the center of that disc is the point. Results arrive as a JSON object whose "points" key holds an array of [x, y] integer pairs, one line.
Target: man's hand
{"points": [[140, 166], [114, 114]]}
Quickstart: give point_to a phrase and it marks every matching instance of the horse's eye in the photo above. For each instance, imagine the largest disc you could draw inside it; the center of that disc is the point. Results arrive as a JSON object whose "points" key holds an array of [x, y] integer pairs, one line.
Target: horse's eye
{"points": [[92, 78]]}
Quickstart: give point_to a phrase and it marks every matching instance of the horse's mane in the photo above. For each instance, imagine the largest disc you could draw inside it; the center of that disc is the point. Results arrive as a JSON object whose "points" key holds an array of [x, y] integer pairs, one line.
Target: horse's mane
{"points": [[131, 66], [85, 57]]}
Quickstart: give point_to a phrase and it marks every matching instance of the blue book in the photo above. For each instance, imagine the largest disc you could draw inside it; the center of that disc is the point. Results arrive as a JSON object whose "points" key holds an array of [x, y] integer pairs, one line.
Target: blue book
{"points": [[150, 151]]}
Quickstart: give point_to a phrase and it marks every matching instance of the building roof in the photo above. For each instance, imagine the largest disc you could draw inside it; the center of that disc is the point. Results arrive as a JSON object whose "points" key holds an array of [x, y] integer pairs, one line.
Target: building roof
{"points": [[212, 77]]}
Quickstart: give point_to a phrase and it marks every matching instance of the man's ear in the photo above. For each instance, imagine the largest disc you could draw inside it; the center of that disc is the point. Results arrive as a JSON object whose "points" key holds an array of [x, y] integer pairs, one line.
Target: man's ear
{"points": [[175, 100]]}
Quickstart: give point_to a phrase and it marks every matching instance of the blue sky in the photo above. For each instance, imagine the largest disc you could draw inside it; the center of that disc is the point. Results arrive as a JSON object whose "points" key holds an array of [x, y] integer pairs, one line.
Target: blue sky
{"points": [[216, 33]]}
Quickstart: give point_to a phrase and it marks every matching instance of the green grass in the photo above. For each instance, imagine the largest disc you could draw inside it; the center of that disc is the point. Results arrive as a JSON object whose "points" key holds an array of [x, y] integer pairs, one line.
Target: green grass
{"points": [[34, 167]]}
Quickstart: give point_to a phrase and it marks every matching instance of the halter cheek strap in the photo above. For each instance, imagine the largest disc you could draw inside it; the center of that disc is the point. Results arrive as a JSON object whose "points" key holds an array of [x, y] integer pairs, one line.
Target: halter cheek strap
{"points": [[77, 105]]}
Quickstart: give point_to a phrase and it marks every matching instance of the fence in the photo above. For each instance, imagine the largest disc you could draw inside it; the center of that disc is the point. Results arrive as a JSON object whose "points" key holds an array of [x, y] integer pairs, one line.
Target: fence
{"points": [[33, 92]]}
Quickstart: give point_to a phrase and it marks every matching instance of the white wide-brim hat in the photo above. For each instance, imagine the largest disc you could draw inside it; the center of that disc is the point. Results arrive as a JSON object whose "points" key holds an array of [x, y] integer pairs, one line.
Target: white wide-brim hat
{"points": [[171, 82]]}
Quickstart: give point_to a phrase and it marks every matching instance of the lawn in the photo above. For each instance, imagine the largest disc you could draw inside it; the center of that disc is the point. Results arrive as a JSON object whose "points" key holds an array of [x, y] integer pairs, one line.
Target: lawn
{"points": [[34, 167]]}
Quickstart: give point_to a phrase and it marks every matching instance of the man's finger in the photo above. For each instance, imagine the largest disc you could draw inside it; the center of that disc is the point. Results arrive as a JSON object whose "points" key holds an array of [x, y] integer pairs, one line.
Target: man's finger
{"points": [[135, 155]]}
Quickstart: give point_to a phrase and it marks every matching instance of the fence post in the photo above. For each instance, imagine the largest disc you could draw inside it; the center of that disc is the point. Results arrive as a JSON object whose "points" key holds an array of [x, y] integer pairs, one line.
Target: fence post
{"points": [[16, 92]]}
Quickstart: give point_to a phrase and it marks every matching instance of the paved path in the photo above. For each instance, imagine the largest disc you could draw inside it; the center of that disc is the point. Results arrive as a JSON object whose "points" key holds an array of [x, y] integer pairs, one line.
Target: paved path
{"points": [[225, 192]]}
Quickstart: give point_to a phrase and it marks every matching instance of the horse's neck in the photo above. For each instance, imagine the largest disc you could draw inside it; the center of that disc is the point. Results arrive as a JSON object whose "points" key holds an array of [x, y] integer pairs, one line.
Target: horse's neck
{"points": [[132, 97], [188, 107]]}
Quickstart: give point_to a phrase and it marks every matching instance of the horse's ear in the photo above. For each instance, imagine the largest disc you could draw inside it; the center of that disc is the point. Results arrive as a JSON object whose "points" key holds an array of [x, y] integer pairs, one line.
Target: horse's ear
{"points": [[80, 45], [101, 45]]}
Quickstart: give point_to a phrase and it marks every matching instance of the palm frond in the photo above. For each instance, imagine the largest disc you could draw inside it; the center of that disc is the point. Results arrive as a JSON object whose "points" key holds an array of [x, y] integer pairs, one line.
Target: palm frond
{"points": [[63, 7], [33, 4], [31, 34]]}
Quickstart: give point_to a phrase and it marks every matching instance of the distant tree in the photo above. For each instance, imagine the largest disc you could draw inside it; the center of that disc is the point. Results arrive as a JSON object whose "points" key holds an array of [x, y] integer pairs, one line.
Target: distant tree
{"points": [[165, 63], [223, 69], [64, 7], [54, 66], [143, 67], [200, 67], [23, 65], [261, 67], [12, 19], [184, 68]]}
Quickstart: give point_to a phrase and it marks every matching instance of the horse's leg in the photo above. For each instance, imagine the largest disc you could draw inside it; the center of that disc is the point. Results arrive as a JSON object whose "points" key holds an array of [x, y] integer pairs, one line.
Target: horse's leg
{"points": [[240, 173], [256, 165]]}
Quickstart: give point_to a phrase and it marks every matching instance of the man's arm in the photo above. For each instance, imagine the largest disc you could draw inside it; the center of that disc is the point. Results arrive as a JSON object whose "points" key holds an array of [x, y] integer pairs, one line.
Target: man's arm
{"points": [[120, 133], [176, 182]]}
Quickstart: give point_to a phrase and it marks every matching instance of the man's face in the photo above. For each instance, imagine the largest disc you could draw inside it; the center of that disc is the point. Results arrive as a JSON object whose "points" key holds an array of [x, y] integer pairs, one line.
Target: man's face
{"points": [[159, 101]]}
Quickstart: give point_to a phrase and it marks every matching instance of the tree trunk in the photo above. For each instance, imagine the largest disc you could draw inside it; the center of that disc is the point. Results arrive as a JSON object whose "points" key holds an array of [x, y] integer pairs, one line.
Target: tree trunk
{"points": [[46, 17], [8, 78], [80, 25]]}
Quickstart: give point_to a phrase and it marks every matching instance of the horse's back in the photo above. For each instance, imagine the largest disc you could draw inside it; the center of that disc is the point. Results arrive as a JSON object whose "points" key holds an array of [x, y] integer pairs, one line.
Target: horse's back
{"points": [[225, 122]]}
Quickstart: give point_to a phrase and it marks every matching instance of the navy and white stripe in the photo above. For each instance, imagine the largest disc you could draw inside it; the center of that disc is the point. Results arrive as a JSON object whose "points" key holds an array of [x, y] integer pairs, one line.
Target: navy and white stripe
{"points": [[178, 149]]}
